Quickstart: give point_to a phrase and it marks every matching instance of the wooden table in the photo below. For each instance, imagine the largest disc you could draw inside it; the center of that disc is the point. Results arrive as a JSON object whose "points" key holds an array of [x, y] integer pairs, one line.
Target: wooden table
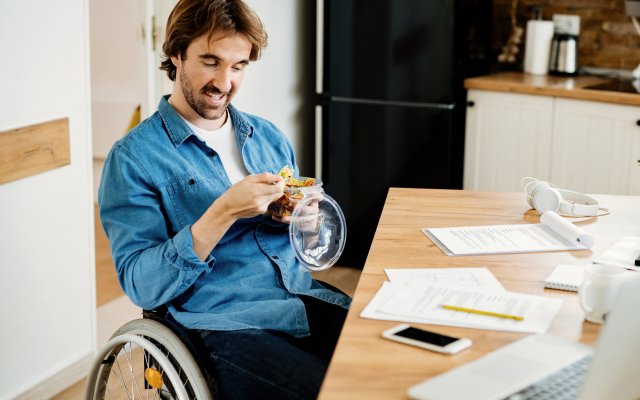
{"points": [[365, 366]]}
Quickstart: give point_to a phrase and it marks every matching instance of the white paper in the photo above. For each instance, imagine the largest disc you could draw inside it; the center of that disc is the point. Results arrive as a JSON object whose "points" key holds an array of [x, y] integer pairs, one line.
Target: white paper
{"points": [[481, 278], [418, 301], [519, 238], [454, 277], [387, 290], [622, 254]]}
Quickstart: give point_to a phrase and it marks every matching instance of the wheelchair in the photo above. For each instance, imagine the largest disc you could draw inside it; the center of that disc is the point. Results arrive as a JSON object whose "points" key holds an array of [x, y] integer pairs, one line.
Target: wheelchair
{"points": [[154, 358]]}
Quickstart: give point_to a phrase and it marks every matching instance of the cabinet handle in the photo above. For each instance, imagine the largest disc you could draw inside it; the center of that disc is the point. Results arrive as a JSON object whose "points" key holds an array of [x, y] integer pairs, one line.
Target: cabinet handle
{"points": [[470, 103]]}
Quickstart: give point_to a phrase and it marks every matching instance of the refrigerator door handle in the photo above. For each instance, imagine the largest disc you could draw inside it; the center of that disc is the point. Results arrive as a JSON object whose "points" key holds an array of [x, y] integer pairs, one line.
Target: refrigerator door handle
{"points": [[319, 46], [393, 103], [318, 166]]}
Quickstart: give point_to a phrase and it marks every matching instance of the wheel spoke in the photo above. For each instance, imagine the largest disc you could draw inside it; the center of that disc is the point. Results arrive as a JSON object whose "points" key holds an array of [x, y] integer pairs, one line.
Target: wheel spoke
{"points": [[121, 377], [109, 391], [131, 369], [147, 364], [133, 378]]}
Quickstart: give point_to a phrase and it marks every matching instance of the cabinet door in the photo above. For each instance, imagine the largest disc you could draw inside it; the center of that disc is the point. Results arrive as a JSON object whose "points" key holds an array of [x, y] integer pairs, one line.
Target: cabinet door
{"points": [[508, 137], [596, 147]]}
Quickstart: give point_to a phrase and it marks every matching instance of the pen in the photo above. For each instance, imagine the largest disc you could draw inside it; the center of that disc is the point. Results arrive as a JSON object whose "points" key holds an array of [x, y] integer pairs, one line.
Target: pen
{"points": [[492, 314]]}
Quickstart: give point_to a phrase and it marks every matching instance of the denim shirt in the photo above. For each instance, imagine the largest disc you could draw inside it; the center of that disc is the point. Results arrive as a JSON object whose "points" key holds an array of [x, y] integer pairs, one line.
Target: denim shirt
{"points": [[160, 179]]}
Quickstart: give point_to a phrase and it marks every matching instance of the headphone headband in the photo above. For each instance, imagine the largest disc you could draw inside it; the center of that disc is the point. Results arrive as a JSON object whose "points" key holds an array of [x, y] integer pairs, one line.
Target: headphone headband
{"points": [[545, 196], [589, 206]]}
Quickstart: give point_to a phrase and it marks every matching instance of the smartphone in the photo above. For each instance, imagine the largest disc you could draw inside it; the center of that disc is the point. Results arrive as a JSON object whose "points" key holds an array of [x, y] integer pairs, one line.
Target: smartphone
{"points": [[427, 340]]}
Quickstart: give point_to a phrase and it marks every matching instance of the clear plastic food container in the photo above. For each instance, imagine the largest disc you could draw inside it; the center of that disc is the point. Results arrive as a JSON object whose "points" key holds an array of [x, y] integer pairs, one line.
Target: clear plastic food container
{"points": [[317, 230]]}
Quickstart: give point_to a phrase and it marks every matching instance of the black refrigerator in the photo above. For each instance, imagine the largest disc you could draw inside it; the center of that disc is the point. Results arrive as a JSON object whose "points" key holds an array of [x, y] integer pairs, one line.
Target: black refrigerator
{"points": [[390, 101]]}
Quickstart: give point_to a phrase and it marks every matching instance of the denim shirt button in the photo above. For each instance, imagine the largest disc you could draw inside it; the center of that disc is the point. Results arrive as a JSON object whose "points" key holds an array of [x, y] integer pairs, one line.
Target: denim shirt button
{"points": [[211, 154], [191, 182], [275, 257]]}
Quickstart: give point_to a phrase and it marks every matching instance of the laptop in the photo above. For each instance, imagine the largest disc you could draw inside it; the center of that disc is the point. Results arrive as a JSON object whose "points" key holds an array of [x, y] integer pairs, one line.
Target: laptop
{"points": [[549, 367]]}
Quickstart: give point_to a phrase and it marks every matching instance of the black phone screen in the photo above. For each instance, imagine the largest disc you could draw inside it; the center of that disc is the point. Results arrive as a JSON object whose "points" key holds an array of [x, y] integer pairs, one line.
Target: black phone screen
{"points": [[426, 336]]}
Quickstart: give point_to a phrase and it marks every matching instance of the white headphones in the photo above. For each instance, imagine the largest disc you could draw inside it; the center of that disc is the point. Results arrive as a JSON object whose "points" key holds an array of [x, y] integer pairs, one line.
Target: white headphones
{"points": [[545, 196]]}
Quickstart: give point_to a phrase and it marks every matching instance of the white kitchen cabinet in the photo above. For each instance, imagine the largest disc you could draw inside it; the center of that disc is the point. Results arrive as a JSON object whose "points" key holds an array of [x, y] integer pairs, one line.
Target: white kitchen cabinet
{"points": [[508, 137], [586, 146], [596, 146]]}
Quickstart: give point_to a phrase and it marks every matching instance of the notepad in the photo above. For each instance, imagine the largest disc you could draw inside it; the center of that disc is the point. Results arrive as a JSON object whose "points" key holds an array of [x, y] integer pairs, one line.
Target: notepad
{"points": [[565, 277], [554, 233]]}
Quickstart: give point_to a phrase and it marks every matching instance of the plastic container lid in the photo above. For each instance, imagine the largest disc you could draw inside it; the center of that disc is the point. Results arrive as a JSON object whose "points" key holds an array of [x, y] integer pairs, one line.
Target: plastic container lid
{"points": [[318, 230]]}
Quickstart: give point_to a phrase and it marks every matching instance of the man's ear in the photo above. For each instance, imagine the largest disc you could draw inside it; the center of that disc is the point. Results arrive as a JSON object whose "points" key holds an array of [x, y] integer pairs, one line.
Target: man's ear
{"points": [[177, 60]]}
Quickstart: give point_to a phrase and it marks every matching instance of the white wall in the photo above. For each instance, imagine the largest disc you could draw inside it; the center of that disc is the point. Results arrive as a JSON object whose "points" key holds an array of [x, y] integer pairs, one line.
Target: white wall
{"points": [[116, 87], [47, 267]]}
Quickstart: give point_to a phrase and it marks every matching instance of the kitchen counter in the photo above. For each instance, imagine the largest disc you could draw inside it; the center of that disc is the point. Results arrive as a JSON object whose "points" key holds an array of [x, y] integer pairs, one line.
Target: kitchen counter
{"points": [[548, 85]]}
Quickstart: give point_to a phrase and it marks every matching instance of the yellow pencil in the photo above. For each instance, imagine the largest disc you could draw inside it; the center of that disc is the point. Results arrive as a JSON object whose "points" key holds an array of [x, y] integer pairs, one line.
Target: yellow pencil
{"points": [[470, 310]]}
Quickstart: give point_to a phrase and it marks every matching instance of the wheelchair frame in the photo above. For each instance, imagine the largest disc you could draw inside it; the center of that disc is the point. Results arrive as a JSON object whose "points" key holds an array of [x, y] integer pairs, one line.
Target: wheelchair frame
{"points": [[157, 335]]}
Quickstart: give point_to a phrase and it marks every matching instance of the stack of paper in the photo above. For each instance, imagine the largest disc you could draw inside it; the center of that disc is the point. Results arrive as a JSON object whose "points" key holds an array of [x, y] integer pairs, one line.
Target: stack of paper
{"points": [[418, 295]]}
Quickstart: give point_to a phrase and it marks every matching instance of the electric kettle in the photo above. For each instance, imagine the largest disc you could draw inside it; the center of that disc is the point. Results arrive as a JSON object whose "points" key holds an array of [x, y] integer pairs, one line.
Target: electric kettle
{"points": [[564, 54]]}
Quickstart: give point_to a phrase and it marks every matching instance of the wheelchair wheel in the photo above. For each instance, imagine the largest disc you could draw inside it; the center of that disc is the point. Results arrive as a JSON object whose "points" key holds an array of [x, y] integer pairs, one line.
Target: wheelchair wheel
{"points": [[145, 360]]}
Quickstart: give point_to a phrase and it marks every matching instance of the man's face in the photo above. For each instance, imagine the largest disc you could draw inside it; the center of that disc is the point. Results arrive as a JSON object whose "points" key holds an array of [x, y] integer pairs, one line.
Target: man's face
{"points": [[212, 72]]}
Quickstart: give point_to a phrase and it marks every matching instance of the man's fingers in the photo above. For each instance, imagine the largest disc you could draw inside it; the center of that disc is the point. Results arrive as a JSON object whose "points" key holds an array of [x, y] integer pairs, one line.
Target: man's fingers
{"points": [[265, 177], [285, 219]]}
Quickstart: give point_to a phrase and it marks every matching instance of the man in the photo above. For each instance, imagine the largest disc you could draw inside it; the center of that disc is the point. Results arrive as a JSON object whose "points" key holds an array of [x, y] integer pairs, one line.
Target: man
{"points": [[182, 200]]}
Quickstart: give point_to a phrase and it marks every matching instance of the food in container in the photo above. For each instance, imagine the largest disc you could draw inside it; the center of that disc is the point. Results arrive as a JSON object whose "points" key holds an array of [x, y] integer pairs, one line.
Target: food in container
{"points": [[317, 228], [295, 190]]}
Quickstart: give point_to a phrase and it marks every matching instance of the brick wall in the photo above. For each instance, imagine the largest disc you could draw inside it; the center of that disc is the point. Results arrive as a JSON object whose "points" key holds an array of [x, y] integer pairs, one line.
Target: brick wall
{"points": [[607, 36]]}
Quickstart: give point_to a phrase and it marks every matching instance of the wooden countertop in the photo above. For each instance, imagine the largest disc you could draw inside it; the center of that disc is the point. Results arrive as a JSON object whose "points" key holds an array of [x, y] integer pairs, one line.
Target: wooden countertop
{"points": [[365, 366], [547, 85]]}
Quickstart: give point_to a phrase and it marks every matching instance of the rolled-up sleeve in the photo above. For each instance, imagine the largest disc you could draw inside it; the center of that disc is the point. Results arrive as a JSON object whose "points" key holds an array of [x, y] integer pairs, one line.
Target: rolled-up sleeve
{"points": [[154, 265]]}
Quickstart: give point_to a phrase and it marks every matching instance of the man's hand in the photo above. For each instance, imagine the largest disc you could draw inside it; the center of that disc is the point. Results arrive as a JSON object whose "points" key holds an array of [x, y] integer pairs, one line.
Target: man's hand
{"points": [[307, 212], [251, 196], [247, 198]]}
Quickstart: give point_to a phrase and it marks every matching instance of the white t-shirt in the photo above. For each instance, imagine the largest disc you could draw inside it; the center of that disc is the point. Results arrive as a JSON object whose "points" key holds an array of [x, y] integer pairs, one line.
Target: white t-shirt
{"points": [[223, 142]]}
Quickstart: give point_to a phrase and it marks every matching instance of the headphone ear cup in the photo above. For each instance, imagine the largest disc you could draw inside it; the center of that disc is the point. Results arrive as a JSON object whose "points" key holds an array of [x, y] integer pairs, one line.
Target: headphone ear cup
{"points": [[530, 189], [548, 200]]}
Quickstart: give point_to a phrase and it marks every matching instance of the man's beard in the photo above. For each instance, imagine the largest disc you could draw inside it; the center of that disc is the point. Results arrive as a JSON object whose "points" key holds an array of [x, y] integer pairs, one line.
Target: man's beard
{"points": [[200, 105]]}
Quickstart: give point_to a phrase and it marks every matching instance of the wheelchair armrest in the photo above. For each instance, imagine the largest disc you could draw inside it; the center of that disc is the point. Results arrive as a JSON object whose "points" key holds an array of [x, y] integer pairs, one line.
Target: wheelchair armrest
{"points": [[157, 313]]}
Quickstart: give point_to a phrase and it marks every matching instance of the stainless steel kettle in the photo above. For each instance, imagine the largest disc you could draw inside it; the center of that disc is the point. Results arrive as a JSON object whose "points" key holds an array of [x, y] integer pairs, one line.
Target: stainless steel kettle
{"points": [[564, 54]]}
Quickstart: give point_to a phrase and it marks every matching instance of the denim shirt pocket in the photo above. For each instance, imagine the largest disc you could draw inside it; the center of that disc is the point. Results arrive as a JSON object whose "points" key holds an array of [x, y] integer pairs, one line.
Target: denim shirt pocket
{"points": [[191, 195]]}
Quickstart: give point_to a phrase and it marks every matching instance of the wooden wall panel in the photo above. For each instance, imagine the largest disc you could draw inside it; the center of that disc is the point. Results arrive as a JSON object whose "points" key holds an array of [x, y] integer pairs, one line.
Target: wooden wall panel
{"points": [[607, 36], [34, 149]]}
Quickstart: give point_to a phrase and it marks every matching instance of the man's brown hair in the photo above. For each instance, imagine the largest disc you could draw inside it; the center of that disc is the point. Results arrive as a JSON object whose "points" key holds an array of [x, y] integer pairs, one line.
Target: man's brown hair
{"points": [[191, 19]]}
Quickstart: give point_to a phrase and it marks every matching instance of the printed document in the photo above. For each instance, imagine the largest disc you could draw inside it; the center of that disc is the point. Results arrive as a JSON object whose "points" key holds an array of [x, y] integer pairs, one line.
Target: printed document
{"points": [[387, 291], [554, 233], [477, 278], [424, 302]]}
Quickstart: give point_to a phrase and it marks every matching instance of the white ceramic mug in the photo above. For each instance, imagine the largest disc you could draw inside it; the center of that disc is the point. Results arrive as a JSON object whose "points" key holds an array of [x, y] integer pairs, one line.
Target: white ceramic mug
{"points": [[599, 291]]}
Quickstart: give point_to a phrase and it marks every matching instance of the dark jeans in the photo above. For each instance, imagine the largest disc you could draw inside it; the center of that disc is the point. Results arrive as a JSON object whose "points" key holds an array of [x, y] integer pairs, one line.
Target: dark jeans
{"points": [[266, 364]]}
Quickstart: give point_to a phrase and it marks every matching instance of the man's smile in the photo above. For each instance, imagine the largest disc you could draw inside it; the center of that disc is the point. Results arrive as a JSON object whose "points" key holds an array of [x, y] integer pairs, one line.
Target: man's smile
{"points": [[215, 99]]}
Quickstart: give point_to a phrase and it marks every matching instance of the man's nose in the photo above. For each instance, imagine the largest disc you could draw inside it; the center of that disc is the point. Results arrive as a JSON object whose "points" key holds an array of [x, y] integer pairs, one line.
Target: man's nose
{"points": [[223, 81]]}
